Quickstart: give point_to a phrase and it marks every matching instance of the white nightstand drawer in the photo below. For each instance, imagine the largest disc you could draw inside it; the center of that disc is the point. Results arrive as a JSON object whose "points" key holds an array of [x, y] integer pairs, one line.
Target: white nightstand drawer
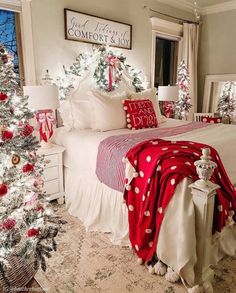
{"points": [[51, 187], [50, 173], [51, 160]]}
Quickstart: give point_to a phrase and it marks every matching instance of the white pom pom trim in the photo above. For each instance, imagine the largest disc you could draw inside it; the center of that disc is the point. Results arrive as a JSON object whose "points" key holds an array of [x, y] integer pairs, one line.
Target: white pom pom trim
{"points": [[151, 270], [196, 289], [205, 288], [160, 268], [171, 276], [140, 261]]}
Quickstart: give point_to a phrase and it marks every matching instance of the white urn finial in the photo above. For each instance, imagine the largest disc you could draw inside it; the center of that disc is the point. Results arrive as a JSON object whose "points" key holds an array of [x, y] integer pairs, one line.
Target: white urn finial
{"points": [[205, 168]]}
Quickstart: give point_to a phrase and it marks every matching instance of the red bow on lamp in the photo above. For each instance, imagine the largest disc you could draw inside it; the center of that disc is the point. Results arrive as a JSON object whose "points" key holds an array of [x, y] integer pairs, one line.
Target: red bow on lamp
{"points": [[112, 62], [45, 121], [168, 108], [43, 99], [167, 95]]}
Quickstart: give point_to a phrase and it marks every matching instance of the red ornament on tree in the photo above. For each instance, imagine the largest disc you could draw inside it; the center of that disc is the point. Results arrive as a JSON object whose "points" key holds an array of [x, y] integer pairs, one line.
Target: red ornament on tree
{"points": [[3, 189], [28, 168], [27, 130], [39, 208], [33, 232], [7, 134], [3, 97], [4, 58], [8, 224]]}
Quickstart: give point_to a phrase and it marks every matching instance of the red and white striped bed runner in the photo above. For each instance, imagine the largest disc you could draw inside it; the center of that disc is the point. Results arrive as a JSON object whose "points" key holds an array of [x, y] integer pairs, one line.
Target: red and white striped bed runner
{"points": [[110, 170]]}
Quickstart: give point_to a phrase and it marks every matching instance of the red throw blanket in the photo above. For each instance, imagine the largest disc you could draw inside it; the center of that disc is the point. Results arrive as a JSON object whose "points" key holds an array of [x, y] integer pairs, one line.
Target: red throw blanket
{"points": [[159, 167]]}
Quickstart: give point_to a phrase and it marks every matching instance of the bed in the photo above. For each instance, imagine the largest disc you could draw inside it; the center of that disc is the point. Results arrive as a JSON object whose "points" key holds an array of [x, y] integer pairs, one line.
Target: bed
{"points": [[187, 247], [101, 208]]}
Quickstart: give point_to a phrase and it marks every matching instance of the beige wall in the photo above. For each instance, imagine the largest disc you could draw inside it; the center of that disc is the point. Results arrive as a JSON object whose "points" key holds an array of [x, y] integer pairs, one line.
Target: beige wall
{"points": [[52, 50], [217, 53]]}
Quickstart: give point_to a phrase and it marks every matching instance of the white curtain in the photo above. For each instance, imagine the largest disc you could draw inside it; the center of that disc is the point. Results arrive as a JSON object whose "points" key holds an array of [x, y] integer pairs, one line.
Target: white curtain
{"points": [[190, 56]]}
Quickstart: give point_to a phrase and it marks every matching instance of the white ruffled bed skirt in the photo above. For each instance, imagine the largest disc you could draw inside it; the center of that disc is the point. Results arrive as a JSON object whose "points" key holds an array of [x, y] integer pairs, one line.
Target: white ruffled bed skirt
{"points": [[101, 208]]}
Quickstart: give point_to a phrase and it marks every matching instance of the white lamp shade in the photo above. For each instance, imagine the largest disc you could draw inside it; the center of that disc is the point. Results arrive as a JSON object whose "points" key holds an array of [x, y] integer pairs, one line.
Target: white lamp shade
{"points": [[168, 93], [42, 97]]}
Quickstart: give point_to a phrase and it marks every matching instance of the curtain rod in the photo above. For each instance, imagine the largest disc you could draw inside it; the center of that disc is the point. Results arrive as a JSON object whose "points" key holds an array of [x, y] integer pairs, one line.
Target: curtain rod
{"points": [[174, 17]]}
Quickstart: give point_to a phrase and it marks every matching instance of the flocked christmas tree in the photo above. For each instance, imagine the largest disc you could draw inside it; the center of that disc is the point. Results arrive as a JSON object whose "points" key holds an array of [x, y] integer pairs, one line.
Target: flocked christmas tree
{"points": [[227, 101], [183, 105], [27, 226]]}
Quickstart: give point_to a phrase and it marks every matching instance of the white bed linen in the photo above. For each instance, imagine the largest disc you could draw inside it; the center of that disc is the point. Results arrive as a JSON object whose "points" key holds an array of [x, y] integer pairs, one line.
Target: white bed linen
{"points": [[101, 208]]}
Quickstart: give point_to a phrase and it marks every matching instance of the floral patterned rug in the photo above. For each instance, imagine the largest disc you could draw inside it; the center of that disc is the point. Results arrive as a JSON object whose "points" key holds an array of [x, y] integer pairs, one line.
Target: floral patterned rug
{"points": [[88, 262]]}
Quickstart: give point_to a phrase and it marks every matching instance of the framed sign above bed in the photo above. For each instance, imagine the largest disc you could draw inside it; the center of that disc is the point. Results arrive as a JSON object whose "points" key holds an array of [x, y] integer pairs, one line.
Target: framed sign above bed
{"points": [[96, 30]]}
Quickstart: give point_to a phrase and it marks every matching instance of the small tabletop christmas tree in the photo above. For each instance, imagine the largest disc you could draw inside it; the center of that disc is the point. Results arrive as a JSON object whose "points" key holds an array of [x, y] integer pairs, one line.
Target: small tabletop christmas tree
{"points": [[26, 225], [227, 101], [183, 105]]}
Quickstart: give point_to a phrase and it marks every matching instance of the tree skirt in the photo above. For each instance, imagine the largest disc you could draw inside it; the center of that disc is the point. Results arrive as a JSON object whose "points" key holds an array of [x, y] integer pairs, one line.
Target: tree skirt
{"points": [[87, 262]]}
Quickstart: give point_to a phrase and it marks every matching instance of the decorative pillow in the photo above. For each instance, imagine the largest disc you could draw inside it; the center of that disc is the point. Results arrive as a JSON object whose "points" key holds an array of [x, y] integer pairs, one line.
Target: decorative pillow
{"points": [[151, 95], [140, 114], [107, 112], [212, 120], [76, 114]]}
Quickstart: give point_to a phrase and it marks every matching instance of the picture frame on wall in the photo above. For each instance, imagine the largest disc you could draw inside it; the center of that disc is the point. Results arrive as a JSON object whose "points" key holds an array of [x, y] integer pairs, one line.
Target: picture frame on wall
{"points": [[89, 28]]}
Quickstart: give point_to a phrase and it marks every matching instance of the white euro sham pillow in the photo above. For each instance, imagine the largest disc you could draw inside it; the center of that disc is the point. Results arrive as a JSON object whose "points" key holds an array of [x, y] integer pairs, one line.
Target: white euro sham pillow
{"points": [[107, 111], [76, 114]]}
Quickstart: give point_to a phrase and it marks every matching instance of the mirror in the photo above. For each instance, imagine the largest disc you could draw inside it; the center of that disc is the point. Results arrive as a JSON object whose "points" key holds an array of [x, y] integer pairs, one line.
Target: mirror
{"points": [[214, 85]]}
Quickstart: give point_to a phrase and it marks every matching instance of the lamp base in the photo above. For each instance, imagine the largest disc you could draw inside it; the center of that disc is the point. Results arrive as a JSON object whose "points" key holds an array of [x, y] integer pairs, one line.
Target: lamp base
{"points": [[45, 145]]}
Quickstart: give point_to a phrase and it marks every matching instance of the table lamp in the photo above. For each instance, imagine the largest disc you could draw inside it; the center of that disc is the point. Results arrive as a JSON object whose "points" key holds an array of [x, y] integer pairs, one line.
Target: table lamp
{"points": [[167, 95], [43, 99]]}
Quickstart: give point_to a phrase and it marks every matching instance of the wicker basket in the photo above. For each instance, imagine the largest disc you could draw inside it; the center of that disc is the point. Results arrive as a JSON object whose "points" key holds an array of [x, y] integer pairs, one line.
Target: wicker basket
{"points": [[20, 272]]}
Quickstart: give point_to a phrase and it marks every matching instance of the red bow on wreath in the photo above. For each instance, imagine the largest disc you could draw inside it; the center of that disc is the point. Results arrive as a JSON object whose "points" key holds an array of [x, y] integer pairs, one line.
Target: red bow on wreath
{"points": [[112, 62], [45, 121]]}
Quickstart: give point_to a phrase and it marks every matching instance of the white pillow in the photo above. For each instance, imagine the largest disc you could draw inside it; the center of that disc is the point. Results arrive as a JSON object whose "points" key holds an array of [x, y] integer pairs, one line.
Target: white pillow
{"points": [[151, 95], [107, 112], [76, 114]]}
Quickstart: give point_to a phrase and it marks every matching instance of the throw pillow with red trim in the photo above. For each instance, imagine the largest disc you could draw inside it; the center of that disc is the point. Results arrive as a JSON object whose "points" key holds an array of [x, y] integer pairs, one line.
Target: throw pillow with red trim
{"points": [[212, 120], [139, 114]]}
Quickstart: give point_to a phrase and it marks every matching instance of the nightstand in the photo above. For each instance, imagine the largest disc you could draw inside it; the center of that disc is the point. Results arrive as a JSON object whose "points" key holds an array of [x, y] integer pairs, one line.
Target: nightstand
{"points": [[53, 173]]}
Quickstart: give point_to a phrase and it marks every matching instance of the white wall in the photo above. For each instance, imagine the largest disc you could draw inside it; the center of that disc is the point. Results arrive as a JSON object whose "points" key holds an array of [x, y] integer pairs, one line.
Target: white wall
{"points": [[52, 50], [217, 47]]}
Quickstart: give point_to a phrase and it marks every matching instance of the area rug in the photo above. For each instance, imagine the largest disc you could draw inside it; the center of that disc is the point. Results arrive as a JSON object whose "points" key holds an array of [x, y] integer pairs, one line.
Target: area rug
{"points": [[88, 262]]}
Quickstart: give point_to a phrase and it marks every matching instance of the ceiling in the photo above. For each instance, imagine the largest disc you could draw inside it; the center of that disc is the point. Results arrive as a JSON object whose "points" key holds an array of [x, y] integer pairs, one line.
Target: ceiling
{"points": [[204, 6], [204, 3]]}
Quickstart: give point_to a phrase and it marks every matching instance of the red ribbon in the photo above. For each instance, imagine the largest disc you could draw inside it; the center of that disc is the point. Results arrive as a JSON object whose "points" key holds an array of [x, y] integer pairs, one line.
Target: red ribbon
{"points": [[112, 61], [45, 121], [168, 109]]}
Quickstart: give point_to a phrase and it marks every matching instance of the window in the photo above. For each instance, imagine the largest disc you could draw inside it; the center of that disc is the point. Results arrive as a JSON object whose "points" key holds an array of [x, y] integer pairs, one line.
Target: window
{"points": [[165, 62], [10, 37], [166, 51]]}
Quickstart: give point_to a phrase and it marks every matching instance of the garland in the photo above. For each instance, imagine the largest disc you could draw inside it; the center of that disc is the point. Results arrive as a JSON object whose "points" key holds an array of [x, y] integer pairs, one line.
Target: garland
{"points": [[107, 73]]}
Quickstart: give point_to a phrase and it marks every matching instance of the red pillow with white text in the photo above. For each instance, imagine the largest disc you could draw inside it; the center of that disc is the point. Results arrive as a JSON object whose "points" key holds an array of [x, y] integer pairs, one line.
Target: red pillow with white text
{"points": [[212, 120], [139, 114]]}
